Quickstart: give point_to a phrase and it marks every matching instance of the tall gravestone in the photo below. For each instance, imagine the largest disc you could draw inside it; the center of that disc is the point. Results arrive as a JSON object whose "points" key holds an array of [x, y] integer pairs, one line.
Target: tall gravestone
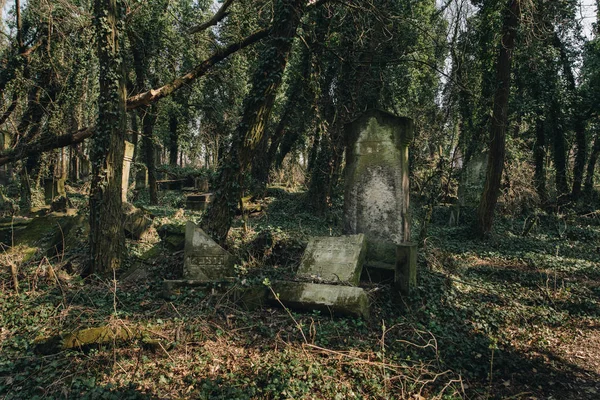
{"points": [[376, 199], [127, 159]]}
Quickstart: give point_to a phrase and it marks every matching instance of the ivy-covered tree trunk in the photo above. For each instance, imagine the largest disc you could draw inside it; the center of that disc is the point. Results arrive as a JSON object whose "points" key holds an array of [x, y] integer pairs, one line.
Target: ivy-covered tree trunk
{"points": [[559, 153], [591, 166], [497, 143], [148, 122], [173, 139], [107, 239], [257, 108], [539, 157]]}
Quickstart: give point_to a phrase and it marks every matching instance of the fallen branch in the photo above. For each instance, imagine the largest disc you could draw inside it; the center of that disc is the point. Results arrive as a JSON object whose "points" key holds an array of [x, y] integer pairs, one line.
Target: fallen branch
{"points": [[46, 144], [152, 95]]}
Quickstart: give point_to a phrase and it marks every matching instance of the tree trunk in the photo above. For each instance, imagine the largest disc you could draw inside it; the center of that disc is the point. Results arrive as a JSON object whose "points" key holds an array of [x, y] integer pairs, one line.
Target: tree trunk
{"points": [[257, 108], [107, 238], [491, 190], [591, 167], [174, 139], [539, 157], [559, 153], [148, 121]]}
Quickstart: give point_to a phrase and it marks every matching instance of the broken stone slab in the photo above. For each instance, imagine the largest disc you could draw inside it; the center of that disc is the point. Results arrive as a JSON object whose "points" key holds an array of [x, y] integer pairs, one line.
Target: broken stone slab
{"points": [[344, 300], [334, 259], [204, 259]]}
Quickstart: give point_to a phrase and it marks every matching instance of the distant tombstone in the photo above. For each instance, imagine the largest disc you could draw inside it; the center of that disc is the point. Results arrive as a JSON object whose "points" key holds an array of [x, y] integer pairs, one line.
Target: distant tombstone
{"points": [[204, 259], [141, 177], [376, 196], [472, 180], [334, 259], [201, 184], [198, 202], [127, 158], [54, 188]]}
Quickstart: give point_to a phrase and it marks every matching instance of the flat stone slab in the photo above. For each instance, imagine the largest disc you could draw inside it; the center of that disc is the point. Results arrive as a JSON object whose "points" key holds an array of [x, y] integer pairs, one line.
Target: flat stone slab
{"points": [[334, 259], [204, 259], [345, 300]]}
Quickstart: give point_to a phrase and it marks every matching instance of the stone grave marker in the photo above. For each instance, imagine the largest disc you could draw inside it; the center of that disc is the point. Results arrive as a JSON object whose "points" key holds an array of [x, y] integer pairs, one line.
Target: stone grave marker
{"points": [[334, 259], [141, 176], [376, 198], [127, 158], [198, 202], [204, 259], [53, 188]]}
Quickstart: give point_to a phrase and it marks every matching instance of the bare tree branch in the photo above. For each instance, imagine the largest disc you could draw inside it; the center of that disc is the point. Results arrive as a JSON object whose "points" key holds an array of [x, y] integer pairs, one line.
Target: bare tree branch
{"points": [[219, 15]]}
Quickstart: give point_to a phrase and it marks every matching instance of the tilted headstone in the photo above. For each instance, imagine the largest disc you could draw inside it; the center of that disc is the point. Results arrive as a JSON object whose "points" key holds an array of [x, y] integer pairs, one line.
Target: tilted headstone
{"points": [[333, 259], [204, 259], [376, 198], [127, 158]]}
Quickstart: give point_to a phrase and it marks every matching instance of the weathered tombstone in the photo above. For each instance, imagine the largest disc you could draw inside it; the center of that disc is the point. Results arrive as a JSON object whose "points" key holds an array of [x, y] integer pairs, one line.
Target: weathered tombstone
{"points": [[141, 177], [127, 158], [201, 184], [334, 259], [53, 188], [472, 180], [204, 259], [135, 221], [198, 202], [376, 199]]}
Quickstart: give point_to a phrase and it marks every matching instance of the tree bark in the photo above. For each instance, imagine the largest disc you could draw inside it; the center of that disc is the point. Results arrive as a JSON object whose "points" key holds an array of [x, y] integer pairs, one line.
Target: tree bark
{"points": [[257, 108], [591, 166], [497, 149], [173, 139], [539, 157], [107, 238], [148, 121]]}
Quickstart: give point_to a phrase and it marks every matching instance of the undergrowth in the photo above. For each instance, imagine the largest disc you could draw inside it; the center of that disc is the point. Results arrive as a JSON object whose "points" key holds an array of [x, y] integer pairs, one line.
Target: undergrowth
{"points": [[486, 319]]}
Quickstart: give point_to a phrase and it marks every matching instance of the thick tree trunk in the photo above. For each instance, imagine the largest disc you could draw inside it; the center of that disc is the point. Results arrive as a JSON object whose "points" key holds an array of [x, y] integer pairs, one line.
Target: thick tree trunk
{"points": [[539, 157], [591, 167], [491, 190], [257, 108], [107, 238]]}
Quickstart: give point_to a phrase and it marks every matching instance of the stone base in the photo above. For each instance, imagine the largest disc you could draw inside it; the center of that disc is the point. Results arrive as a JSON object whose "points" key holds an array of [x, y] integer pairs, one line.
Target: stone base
{"points": [[345, 300], [198, 202], [406, 267]]}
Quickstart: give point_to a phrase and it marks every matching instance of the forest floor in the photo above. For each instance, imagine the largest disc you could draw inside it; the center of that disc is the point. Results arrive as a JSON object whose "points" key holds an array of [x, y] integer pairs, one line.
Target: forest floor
{"points": [[511, 317]]}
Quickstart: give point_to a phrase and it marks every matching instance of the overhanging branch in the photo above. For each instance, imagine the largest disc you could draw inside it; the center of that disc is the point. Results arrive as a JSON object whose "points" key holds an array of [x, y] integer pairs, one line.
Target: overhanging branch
{"points": [[153, 95]]}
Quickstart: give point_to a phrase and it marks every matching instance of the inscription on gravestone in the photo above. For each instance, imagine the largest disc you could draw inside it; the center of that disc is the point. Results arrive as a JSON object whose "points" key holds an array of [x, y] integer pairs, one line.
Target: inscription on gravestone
{"points": [[204, 259], [334, 259]]}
